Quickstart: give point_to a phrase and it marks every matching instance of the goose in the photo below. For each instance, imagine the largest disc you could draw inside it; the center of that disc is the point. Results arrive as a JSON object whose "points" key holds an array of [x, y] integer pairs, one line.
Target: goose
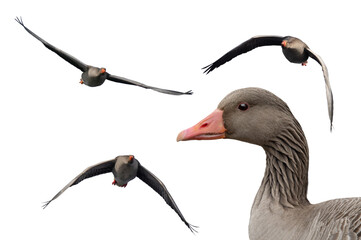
{"points": [[280, 209], [125, 168], [95, 76], [294, 49]]}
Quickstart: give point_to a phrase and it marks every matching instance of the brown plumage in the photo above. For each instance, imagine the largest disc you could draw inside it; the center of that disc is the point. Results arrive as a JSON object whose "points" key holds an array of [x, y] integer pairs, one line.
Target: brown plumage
{"points": [[281, 209]]}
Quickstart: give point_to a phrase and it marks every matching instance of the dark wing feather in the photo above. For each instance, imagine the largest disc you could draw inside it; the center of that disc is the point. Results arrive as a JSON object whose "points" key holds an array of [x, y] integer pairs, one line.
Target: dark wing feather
{"points": [[250, 44], [329, 94], [67, 57], [131, 82], [100, 168], [157, 185]]}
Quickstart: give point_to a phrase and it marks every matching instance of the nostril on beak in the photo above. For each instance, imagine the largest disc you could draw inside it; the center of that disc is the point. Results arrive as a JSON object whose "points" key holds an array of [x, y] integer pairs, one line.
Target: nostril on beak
{"points": [[204, 125]]}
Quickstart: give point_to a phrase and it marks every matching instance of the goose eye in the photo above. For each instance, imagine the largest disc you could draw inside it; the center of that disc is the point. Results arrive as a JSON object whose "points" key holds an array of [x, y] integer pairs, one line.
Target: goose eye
{"points": [[243, 106]]}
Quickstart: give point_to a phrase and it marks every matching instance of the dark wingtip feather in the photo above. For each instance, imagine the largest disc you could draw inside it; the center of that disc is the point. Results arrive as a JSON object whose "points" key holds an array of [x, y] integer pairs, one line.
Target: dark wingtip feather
{"points": [[19, 20], [190, 92], [46, 204], [209, 68], [192, 228]]}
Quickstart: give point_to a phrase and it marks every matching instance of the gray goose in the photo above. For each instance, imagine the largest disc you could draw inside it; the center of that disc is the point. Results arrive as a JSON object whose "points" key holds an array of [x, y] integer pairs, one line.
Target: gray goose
{"points": [[294, 49], [125, 168], [94, 76], [281, 209]]}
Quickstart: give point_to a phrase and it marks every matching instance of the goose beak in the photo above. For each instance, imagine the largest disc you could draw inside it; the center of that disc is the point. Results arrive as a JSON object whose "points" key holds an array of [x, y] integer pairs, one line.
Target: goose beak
{"points": [[211, 127], [284, 42], [130, 158]]}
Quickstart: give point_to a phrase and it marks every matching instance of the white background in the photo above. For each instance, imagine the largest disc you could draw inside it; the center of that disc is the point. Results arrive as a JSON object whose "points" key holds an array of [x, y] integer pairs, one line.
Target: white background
{"points": [[52, 127]]}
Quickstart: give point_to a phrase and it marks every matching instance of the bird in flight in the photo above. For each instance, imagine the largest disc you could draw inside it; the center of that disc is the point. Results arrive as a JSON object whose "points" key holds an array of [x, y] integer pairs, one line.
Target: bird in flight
{"points": [[294, 49], [94, 76], [125, 168]]}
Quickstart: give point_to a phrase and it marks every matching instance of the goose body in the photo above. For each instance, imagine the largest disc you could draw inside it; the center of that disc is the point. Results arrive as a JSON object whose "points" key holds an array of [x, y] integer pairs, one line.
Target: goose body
{"points": [[95, 76], [125, 168], [281, 209], [295, 51]]}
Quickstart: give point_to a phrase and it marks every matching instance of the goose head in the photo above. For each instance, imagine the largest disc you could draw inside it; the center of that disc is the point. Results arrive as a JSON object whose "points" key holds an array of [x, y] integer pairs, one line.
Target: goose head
{"points": [[125, 170], [252, 115], [292, 42], [94, 76]]}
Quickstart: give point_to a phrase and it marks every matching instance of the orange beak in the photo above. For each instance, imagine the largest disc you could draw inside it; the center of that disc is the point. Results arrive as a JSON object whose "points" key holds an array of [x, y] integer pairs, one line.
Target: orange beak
{"points": [[284, 42], [211, 127], [102, 70]]}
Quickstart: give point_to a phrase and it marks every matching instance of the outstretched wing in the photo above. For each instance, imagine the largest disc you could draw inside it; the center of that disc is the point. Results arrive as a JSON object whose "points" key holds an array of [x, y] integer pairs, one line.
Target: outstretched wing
{"points": [[157, 185], [250, 44], [329, 94], [131, 82], [67, 57], [100, 168]]}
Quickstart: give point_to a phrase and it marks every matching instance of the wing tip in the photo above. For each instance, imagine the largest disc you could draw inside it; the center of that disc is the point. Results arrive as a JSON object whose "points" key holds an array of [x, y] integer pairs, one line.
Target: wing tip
{"points": [[19, 20], [172, 92], [192, 228], [209, 68], [190, 92], [45, 204]]}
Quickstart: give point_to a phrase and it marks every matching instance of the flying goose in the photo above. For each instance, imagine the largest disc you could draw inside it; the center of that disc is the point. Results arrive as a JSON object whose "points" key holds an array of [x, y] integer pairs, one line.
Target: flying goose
{"points": [[295, 50], [125, 168], [281, 210], [94, 76]]}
